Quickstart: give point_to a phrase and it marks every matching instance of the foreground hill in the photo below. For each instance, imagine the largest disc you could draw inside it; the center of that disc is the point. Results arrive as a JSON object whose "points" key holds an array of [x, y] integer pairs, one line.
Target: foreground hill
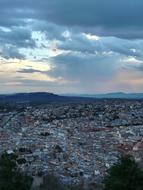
{"points": [[38, 97]]}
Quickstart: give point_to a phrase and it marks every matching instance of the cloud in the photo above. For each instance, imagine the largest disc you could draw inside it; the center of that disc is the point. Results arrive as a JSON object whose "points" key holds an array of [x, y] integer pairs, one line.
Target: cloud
{"points": [[11, 52], [13, 39], [84, 68], [30, 70], [93, 44], [86, 44], [17, 36], [109, 18]]}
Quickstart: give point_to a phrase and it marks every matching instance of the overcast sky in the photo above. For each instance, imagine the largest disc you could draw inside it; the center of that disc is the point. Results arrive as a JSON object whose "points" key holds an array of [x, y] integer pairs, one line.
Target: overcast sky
{"points": [[71, 46]]}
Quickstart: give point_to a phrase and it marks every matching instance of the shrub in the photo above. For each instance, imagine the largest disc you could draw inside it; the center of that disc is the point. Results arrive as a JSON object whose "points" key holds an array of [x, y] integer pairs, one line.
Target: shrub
{"points": [[51, 182], [124, 175], [11, 178]]}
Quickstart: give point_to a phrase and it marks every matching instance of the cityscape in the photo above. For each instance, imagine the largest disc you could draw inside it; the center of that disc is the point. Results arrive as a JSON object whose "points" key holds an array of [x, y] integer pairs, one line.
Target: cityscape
{"points": [[71, 95], [75, 141]]}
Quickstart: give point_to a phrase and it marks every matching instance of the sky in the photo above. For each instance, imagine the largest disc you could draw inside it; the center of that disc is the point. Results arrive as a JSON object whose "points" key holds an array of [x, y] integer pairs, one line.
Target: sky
{"points": [[71, 46]]}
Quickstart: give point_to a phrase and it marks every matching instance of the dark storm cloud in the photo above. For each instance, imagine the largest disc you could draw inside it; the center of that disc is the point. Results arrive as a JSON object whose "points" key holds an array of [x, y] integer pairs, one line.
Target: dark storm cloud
{"points": [[11, 40], [29, 71], [100, 17], [63, 33], [51, 30], [85, 67], [134, 64], [11, 52], [139, 67], [79, 42], [117, 18], [20, 37], [104, 17]]}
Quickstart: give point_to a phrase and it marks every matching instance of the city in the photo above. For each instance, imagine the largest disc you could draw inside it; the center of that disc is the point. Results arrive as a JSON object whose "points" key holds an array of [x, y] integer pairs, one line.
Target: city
{"points": [[76, 141], [71, 95]]}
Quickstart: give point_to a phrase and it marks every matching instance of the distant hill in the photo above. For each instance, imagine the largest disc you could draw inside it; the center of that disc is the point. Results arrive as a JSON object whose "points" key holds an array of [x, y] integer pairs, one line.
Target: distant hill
{"points": [[45, 97], [116, 95], [37, 98]]}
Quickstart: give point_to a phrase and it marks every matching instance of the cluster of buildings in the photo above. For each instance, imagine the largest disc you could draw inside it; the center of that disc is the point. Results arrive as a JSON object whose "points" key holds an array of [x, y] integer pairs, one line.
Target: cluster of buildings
{"points": [[74, 141]]}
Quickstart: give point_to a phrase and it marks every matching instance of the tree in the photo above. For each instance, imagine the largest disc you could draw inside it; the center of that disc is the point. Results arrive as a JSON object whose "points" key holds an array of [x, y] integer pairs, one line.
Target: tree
{"points": [[51, 182], [124, 175], [11, 178]]}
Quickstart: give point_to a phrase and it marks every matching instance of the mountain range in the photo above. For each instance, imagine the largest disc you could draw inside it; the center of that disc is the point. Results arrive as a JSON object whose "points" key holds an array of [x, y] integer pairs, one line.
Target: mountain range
{"points": [[45, 97], [116, 95]]}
